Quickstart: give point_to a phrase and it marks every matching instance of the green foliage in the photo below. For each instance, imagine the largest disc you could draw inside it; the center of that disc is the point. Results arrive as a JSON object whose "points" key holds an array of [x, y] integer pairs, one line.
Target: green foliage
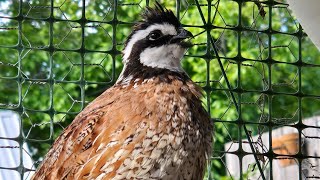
{"points": [[48, 88]]}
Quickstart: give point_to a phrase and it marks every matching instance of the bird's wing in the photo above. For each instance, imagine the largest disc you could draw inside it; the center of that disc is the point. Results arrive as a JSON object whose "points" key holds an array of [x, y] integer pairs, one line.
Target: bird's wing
{"points": [[101, 132]]}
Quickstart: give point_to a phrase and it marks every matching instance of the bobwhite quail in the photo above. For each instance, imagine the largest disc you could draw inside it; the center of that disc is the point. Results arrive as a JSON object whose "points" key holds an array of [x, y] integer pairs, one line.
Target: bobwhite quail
{"points": [[149, 125]]}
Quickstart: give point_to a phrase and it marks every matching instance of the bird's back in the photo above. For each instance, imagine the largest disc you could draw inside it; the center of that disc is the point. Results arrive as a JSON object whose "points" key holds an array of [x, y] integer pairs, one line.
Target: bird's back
{"points": [[149, 129]]}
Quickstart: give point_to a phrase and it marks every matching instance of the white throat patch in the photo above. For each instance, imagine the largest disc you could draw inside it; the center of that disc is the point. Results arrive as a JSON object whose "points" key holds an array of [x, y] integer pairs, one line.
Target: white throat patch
{"points": [[166, 56]]}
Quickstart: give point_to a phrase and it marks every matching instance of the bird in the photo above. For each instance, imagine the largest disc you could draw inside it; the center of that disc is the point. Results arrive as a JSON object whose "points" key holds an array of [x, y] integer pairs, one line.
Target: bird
{"points": [[151, 124]]}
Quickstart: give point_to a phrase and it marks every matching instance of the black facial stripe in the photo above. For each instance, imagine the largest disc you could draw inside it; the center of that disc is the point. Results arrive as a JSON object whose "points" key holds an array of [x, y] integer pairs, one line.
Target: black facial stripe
{"points": [[159, 42], [142, 44], [136, 50]]}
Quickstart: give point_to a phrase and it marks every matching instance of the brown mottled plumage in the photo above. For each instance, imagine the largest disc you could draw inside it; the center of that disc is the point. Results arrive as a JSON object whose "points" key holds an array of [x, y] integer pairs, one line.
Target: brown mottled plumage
{"points": [[149, 125]]}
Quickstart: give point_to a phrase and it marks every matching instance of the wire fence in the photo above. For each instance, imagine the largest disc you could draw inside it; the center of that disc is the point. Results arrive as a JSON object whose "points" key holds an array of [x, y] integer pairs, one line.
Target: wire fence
{"points": [[257, 67]]}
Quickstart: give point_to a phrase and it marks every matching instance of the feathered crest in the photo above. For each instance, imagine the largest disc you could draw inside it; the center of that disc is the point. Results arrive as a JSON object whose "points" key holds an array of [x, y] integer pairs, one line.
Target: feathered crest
{"points": [[157, 15]]}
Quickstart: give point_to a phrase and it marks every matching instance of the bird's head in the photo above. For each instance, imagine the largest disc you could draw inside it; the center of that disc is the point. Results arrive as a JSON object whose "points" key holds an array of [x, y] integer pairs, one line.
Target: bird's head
{"points": [[157, 42]]}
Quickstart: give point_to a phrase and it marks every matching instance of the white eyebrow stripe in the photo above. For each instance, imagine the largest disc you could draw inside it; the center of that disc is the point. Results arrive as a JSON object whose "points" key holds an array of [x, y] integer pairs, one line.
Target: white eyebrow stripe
{"points": [[165, 28]]}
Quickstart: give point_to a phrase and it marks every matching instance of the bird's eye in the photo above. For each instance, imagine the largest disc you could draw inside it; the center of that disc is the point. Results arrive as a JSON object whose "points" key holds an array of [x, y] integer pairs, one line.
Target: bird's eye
{"points": [[154, 35]]}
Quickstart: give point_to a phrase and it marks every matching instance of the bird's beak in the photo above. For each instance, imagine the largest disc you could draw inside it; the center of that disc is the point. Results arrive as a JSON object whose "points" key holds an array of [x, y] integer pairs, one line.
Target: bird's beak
{"points": [[182, 34]]}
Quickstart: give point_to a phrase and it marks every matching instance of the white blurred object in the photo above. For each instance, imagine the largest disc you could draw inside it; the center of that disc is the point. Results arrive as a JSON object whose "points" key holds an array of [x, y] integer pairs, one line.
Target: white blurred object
{"points": [[9, 149], [308, 15], [310, 147]]}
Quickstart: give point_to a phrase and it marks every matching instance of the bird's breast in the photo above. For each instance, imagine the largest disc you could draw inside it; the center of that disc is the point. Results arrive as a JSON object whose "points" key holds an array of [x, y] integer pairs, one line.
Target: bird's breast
{"points": [[148, 129], [169, 140]]}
